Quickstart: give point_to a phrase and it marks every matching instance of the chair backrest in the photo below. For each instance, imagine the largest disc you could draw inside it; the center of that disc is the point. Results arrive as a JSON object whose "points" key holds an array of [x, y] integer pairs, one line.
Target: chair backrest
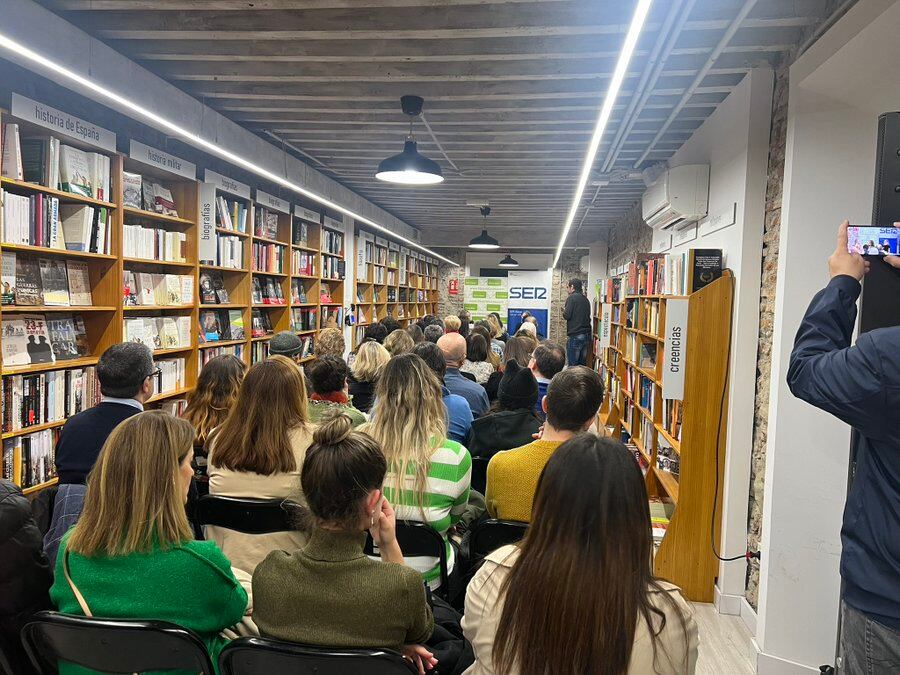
{"points": [[492, 534], [419, 539], [251, 656], [479, 473], [251, 516], [112, 645]]}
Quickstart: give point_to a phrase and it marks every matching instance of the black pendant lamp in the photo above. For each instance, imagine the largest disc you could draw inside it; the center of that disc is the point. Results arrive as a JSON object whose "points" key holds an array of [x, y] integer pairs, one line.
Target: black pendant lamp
{"points": [[409, 167], [484, 241], [508, 261]]}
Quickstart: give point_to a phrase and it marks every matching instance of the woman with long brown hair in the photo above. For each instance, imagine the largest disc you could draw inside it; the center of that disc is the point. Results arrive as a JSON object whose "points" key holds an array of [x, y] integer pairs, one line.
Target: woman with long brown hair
{"points": [[258, 451], [132, 554], [577, 595]]}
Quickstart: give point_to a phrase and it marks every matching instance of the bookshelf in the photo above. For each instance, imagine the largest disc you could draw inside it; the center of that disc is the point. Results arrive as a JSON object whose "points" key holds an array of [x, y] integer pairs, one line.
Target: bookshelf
{"points": [[675, 441]]}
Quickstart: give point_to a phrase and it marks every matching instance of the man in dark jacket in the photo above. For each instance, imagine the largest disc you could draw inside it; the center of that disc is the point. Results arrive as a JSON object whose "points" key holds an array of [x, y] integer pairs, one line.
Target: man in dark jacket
{"points": [[577, 313], [25, 576], [859, 384]]}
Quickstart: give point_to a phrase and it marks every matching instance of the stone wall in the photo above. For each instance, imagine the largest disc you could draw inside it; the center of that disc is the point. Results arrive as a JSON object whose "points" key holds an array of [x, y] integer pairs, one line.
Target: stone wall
{"points": [[628, 238], [774, 187]]}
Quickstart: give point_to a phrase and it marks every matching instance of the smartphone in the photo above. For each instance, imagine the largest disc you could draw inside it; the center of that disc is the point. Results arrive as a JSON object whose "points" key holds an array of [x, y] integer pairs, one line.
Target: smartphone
{"points": [[874, 241]]}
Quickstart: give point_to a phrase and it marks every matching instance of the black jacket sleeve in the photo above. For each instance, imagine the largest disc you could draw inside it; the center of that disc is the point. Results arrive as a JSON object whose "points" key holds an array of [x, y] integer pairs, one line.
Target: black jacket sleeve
{"points": [[826, 371], [25, 575], [568, 307]]}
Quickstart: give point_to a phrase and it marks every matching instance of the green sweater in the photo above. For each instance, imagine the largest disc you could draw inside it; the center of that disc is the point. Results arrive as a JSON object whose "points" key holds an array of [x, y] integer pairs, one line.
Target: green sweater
{"points": [[190, 585], [318, 410], [331, 594]]}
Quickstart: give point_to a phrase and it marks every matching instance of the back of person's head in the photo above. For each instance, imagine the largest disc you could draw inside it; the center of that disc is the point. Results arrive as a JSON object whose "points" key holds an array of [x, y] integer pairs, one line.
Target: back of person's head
{"points": [[370, 359], [519, 350], [590, 520], [330, 342], [527, 329], [529, 338], [216, 392], [137, 489], [285, 343], [399, 342], [549, 359], [573, 398], [415, 333], [451, 324], [376, 332], [428, 320], [517, 389], [255, 436], [454, 347], [433, 357], [464, 323], [496, 317], [476, 348], [123, 368], [327, 375], [390, 324], [575, 284], [433, 332], [494, 325], [341, 469]]}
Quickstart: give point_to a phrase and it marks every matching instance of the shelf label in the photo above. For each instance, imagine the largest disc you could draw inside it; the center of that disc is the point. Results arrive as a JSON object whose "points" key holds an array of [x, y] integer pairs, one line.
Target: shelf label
{"points": [[675, 348], [333, 223], [404, 251], [162, 160], [684, 236], [207, 241], [225, 184], [605, 325], [381, 241], [308, 214], [62, 122], [393, 246], [272, 202], [662, 241]]}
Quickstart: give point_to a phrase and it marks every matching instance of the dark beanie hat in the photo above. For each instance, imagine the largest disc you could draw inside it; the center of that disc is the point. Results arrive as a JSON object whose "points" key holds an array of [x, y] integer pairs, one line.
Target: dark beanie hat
{"points": [[518, 388], [285, 343]]}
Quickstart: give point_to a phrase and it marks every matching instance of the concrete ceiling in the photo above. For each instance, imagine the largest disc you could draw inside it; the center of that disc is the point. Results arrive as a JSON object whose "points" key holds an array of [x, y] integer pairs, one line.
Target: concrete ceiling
{"points": [[511, 87]]}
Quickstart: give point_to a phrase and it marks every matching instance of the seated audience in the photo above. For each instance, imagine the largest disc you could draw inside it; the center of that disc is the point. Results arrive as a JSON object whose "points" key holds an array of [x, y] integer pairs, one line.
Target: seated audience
{"points": [[511, 421], [399, 342], [433, 333], [516, 349], [548, 359], [453, 346], [493, 357], [370, 359], [329, 593], [374, 332], [24, 574], [496, 329], [257, 453], [428, 475], [503, 336], [464, 321], [528, 327], [459, 415], [577, 594], [390, 324], [328, 376], [132, 554], [126, 374], [476, 359], [288, 344], [415, 333], [451, 324], [571, 405], [330, 342]]}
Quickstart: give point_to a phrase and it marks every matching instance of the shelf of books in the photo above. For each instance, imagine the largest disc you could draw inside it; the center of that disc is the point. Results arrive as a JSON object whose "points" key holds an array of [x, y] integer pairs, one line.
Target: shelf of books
{"points": [[662, 350], [332, 266], [306, 236]]}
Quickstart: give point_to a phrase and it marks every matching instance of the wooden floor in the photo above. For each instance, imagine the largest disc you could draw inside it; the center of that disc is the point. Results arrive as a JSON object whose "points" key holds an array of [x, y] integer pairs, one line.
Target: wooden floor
{"points": [[726, 646]]}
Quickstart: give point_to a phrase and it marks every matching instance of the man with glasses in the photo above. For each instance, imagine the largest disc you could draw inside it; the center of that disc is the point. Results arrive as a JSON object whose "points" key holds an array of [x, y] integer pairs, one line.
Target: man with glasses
{"points": [[127, 378]]}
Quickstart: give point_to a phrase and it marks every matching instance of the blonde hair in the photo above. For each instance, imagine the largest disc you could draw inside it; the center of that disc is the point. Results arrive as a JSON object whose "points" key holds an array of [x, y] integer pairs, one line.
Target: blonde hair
{"points": [[370, 359], [409, 421], [134, 500], [452, 323], [399, 342], [270, 403], [330, 343], [496, 328], [216, 391]]}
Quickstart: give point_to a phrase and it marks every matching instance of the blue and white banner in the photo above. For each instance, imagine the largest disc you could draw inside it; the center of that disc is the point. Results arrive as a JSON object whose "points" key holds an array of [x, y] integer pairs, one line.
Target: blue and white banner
{"points": [[529, 292]]}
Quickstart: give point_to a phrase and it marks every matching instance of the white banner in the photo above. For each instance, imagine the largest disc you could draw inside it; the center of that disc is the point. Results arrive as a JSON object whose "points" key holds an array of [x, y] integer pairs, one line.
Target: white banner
{"points": [[605, 325], [162, 160], [207, 241], [333, 223], [272, 202], [662, 241], [675, 348], [226, 184], [62, 123]]}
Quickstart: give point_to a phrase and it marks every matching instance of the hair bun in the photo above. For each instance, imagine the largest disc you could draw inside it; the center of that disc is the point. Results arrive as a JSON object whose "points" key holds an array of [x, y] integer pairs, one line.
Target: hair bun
{"points": [[333, 429]]}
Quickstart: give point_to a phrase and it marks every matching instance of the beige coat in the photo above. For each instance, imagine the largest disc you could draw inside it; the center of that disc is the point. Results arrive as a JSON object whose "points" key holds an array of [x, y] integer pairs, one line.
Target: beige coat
{"points": [[484, 607], [246, 551]]}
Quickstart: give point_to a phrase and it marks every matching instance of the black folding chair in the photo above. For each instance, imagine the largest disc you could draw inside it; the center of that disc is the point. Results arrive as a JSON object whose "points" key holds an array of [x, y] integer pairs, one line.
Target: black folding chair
{"points": [[251, 516], [112, 645], [490, 535], [253, 656], [419, 539], [479, 473]]}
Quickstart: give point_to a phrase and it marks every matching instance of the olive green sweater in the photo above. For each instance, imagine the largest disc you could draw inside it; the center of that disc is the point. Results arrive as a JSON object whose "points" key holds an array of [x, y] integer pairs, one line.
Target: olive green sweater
{"points": [[331, 594]]}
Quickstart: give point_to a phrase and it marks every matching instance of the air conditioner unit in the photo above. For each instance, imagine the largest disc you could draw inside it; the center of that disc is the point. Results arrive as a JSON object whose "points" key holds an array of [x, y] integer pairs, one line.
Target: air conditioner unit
{"points": [[679, 197]]}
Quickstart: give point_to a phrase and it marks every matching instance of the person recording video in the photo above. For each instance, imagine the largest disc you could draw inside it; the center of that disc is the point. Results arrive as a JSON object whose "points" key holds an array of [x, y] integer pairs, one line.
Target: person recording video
{"points": [[860, 385]]}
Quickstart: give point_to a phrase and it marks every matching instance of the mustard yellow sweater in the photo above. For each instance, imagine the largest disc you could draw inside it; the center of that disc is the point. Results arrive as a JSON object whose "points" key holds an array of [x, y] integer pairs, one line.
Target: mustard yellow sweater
{"points": [[512, 478]]}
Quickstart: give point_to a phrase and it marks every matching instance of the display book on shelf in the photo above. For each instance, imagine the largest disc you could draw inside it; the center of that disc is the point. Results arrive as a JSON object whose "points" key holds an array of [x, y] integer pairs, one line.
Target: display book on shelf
{"points": [[662, 332]]}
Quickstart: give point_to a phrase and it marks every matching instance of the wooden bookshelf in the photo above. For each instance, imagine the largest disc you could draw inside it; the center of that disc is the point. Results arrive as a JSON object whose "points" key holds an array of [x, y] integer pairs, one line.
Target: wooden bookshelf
{"points": [[633, 410]]}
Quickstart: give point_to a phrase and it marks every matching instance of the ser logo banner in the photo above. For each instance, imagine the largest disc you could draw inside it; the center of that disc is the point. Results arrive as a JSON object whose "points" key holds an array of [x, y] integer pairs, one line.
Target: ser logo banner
{"points": [[527, 293]]}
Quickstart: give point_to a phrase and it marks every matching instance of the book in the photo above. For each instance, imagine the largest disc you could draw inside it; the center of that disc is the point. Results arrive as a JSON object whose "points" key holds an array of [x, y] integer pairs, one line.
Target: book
{"points": [[219, 285], [34, 155], [209, 326], [207, 290], [163, 202], [173, 289], [61, 331], [187, 289], [169, 334], [704, 267], [8, 278], [14, 344], [77, 224], [75, 171], [145, 288], [256, 291], [11, 163], [54, 282], [28, 281], [235, 324], [79, 283], [131, 184]]}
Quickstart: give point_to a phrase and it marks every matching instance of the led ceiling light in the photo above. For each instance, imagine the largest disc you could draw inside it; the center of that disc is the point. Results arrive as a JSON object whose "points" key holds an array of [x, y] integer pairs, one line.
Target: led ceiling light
{"points": [[484, 241], [20, 52], [409, 167], [615, 84], [508, 261]]}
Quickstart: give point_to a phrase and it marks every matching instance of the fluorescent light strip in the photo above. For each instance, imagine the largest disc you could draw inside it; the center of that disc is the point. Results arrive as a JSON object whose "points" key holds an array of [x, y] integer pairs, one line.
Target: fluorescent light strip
{"points": [[29, 54], [615, 84]]}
